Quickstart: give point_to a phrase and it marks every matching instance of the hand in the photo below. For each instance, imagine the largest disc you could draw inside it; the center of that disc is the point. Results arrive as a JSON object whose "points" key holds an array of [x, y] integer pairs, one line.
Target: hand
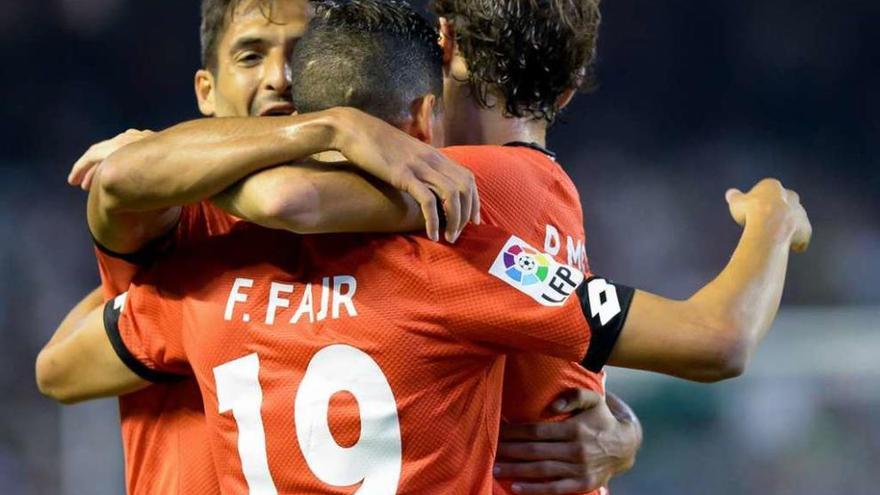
{"points": [[577, 455], [412, 166], [84, 169], [769, 200]]}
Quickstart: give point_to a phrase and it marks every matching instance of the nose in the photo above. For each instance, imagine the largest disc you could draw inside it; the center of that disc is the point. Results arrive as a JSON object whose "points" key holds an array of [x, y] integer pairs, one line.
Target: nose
{"points": [[278, 75]]}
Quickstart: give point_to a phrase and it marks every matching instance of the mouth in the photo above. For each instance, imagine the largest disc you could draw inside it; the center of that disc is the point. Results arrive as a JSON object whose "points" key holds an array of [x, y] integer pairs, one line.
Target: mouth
{"points": [[278, 110]]}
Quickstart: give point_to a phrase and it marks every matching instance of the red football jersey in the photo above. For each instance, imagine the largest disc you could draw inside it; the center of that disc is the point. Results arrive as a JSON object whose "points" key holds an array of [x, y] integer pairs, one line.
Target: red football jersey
{"points": [[164, 435], [532, 381], [335, 364]]}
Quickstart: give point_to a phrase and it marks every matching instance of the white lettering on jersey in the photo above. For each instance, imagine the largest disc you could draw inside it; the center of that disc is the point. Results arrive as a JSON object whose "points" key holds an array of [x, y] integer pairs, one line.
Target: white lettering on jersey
{"points": [[344, 299], [236, 296], [336, 300], [325, 298], [276, 302], [538, 275], [305, 306], [576, 255], [551, 241]]}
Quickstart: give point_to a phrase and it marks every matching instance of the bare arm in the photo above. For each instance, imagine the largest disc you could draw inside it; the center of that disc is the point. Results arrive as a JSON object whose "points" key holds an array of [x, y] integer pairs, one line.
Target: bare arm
{"points": [[310, 199], [79, 362], [581, 453], [136, 190], [712, 335]]}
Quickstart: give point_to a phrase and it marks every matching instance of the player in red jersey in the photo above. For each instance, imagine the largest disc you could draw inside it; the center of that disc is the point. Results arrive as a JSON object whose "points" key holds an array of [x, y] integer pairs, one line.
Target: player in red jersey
{"points": [[763, 191], [245, 59], [465, 389], [227, 87]]}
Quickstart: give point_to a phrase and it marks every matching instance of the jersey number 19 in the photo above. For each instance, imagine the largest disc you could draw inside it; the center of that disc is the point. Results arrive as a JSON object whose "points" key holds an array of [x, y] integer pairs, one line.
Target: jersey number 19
{"points": [[375, 460]]}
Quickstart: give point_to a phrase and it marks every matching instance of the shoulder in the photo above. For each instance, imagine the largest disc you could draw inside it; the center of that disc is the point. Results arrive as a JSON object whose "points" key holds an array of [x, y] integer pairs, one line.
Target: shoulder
{"points": [[516, 183]]}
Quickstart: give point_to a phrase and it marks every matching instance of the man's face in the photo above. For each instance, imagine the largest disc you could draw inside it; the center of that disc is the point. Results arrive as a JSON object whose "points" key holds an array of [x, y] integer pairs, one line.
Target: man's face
{"points": [[252, 77]]}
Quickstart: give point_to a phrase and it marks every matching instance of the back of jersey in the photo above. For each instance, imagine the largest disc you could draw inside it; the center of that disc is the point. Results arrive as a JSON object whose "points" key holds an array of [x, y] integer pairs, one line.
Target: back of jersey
{"points": [[549, 216], [354, 364]]}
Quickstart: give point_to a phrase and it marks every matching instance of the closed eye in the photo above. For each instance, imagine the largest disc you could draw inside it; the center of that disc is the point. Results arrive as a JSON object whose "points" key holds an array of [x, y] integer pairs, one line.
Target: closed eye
{"points": [[250, 58]]}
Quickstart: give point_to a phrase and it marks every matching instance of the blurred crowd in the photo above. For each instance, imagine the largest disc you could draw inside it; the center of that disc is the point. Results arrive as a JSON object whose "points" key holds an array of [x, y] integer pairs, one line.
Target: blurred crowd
{"points": [[693, 97]]}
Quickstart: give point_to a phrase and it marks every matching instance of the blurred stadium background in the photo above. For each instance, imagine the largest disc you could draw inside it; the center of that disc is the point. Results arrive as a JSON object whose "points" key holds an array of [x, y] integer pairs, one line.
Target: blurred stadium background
{"points": [[694, 97]]}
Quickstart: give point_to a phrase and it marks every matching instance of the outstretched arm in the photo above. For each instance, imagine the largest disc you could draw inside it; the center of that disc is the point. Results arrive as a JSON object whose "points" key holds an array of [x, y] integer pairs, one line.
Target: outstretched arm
{"points": [[712, 335], [136, 190]]}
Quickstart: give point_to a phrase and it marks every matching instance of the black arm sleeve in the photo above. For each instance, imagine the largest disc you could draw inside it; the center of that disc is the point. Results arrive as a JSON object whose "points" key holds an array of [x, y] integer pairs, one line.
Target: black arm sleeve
{"points": [[605, 306], [112, 311]]}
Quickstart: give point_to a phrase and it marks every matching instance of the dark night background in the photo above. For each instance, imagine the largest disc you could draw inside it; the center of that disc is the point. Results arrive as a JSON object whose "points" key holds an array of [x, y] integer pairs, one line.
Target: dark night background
{"points": [[694, 97]]}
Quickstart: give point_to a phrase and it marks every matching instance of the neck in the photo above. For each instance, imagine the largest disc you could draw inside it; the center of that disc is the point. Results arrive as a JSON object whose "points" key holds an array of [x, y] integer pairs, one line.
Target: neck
{"points": [[469, 124]]}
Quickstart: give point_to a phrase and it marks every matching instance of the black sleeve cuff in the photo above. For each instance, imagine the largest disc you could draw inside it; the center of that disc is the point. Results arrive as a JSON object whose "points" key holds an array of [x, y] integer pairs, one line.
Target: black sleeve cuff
{"points": [[145, 255], [111, 326], [605, 306]]}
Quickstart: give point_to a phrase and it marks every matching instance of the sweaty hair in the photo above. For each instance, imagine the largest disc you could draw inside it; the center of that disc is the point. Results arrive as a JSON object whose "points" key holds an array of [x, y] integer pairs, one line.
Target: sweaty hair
{"points": [[374, 55], [528, 52], [216, 15]]}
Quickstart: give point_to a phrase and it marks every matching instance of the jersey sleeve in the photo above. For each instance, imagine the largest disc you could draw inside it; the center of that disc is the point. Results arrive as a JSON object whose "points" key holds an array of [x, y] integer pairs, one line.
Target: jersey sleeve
{"points": [[145, 330], [497, 290], [196, 222]]}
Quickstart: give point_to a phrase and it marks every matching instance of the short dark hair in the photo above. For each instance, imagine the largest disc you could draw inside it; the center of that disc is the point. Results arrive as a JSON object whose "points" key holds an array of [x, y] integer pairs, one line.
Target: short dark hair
{"points": [[528, 52], [375, 55], [216, 15]]}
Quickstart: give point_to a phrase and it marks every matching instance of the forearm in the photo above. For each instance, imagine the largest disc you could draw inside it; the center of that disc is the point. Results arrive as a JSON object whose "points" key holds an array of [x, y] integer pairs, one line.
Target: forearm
{"points": [[742, 301], [79, 363], [309, 199], [92, 300], [195, 160], [711, 335]]}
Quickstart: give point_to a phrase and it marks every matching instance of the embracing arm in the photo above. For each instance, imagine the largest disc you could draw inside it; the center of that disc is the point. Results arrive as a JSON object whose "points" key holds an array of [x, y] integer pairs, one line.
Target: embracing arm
{"points": [[712, 335], [598, 441], [79, 362], [136, 190], [310, 199]]}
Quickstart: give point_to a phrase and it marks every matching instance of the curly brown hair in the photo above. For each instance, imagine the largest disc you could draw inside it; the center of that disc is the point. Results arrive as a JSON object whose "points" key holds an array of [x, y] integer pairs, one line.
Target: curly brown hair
{"points": [[528, 52]]}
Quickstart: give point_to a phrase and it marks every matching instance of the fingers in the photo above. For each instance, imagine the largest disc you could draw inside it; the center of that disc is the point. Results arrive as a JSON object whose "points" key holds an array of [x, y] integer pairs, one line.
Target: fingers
{"points": [[532, 470], [83, 169], [736, 202], [581, 485], [477, 216], [467, 205], [452, 207], [87, 179], [732, 195], [576, 399], [785, 203], [538, 432], [91, 158], [574, 452], [428, 203], [451, 194]]}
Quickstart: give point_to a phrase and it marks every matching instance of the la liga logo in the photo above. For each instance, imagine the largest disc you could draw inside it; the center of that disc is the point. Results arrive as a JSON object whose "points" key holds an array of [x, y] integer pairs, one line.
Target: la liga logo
{"points": [[536, 274], [525, 265]]}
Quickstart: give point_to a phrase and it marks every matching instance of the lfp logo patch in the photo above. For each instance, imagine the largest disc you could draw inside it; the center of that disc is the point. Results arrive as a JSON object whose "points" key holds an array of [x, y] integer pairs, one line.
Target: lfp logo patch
{"points": [[525, 265], [535, 274]]}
